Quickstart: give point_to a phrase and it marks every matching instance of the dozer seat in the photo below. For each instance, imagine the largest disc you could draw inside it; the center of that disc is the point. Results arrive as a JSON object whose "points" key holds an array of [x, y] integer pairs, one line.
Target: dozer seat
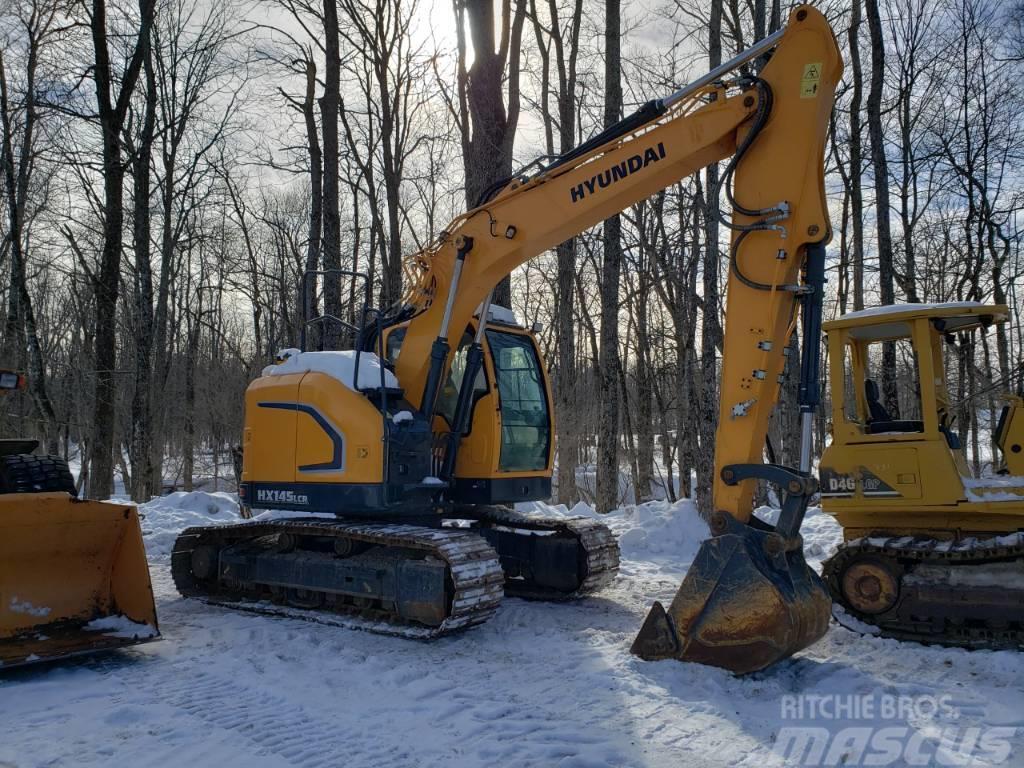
{"points": [[879, 419]]}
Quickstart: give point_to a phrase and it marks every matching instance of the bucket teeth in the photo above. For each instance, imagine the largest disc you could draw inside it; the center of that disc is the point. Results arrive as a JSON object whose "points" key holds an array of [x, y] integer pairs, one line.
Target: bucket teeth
{"points": [[657, 639], [748, 600]]}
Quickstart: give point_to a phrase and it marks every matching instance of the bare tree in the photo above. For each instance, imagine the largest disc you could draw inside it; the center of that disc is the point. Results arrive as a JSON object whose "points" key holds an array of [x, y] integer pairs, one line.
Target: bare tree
{"points": [[40, 24], [608, 439], [486, 124], [564, 41], [113, 97]]}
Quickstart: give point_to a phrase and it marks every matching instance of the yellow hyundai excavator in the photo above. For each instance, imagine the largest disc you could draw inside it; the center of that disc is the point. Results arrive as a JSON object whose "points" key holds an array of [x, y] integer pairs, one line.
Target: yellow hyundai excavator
{"points": [[413, 442], [73, 573], [930, 553]]}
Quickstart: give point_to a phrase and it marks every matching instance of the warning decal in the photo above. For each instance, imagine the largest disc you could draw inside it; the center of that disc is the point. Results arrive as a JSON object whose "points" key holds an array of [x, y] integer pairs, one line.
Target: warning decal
{"points": [[810, 80], [872, 485]]}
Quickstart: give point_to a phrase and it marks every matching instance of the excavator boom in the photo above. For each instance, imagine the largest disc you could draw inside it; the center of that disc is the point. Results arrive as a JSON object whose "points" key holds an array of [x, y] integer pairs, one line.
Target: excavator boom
{"points": [[750, 598]]}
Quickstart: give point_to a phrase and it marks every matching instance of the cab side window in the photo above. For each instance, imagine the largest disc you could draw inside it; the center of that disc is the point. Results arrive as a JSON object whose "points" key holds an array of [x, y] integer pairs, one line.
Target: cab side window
{"points": [[525, 419]]}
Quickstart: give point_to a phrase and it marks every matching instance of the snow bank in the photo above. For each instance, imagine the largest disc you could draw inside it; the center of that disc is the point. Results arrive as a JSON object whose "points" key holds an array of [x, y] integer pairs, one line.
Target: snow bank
{"points": [[165, 517], [660, 528], [340, 366], [656, 528]]}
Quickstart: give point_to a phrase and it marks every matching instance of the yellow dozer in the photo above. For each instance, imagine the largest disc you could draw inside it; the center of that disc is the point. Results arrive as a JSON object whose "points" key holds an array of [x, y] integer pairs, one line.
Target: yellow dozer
{"points": [[931, 552], [73, 573]]}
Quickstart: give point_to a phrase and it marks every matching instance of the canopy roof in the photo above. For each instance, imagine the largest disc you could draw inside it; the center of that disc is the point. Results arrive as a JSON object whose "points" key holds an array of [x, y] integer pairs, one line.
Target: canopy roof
{"points": [[894, 321]]}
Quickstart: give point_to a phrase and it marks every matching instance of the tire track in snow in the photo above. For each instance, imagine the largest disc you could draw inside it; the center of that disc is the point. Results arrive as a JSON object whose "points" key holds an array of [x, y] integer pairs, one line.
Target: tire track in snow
{"points": [[275, 726]]}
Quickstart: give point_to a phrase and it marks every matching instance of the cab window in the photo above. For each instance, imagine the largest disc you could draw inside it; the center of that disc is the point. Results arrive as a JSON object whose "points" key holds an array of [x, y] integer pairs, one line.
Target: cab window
{"points": [[525, 419], [393, 347], [449, 395]]}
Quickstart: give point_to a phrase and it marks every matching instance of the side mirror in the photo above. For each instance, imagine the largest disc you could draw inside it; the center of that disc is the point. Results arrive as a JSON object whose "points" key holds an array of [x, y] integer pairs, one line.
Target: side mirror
{"points": [[11, 380]]}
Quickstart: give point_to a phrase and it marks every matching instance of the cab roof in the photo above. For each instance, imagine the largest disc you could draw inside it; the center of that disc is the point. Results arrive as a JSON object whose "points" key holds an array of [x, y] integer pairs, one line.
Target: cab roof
{"points": [[893, 321], [499, 315]]}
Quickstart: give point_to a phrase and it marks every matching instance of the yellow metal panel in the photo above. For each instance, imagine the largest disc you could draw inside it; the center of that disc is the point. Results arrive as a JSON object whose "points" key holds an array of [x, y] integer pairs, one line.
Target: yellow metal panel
{"points": [[478, 454], [907, 312], [948, 522], [269, 449], [279, 441], [353, 416], [884, 473]]}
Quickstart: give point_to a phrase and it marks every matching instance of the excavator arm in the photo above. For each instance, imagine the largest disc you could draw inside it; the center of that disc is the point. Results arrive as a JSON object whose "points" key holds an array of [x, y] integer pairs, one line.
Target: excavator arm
{"points": [[752, 598]]}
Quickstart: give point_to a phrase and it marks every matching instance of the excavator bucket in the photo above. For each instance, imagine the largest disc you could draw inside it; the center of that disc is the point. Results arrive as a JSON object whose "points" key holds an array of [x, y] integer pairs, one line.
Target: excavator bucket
{"points": [[748, 600], [73, 578]]}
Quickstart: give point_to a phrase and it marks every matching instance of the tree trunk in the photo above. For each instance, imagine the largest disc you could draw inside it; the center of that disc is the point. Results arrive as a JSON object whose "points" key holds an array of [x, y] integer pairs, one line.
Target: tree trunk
{"points": [[488, 130], [608, 429], [856, 157], [329, 105], [710, 326], [22, 319], [644, 410], [140, 446], [316, 196], [886, 278], [112, 112], [564, 307]]}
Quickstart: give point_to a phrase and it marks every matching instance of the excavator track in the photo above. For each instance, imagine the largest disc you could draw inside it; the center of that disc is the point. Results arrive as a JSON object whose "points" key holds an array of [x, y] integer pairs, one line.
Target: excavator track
{"points": [[967, 593], [404, 580], [550, 558]]}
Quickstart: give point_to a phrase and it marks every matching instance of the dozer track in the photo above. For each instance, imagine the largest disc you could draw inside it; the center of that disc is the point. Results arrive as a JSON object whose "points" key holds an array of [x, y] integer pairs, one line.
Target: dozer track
{"points": [[549, 558], [404, 580], [967, 593]]}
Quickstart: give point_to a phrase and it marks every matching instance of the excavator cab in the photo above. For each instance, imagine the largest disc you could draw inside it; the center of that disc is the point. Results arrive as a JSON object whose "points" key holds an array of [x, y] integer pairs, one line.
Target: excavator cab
{"points": [[507, 450]]}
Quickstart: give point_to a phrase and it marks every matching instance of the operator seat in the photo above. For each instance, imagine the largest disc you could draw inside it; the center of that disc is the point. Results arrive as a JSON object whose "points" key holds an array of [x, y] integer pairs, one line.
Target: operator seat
{"points": [[879, 419], [876, 411]]}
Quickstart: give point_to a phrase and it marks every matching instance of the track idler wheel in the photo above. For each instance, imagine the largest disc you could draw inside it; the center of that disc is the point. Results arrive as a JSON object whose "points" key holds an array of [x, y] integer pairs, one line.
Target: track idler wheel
{"points": [[870, 586], [204, 561], [748, 600]]}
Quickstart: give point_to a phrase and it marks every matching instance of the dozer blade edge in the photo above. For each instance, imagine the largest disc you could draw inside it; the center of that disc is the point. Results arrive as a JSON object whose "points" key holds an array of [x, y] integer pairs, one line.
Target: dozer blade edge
{"points": [[73, 578]]}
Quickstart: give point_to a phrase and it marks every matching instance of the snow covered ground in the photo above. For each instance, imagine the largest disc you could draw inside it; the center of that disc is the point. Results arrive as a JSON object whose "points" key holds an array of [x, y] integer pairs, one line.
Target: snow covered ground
{"points": [[539, 685]]}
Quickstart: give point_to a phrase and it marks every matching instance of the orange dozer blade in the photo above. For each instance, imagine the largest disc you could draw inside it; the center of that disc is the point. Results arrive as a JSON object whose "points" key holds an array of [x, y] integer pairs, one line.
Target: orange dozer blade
{"points": [[748, 600], [73, 578]]}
